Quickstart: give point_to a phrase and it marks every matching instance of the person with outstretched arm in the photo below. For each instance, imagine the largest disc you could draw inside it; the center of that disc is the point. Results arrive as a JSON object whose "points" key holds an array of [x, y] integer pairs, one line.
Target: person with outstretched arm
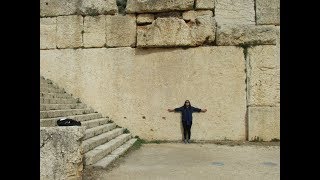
{"points": [[187, 111]]}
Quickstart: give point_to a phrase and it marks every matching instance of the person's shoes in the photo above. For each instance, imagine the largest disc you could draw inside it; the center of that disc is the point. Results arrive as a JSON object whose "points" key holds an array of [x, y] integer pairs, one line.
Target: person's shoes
{"points": [[188, 141], [185, 141]]}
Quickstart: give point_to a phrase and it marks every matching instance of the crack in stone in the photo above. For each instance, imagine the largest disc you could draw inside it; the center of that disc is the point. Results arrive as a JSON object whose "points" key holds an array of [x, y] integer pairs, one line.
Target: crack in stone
{"points": [[45, 141]]}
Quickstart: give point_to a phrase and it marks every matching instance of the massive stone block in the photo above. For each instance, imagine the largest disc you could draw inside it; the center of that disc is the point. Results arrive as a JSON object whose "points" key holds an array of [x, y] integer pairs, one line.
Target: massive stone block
{"points": [[58, 7], [203, 31], [135, 87], [263, 76], [94, 31], [192, 15], [48, 33], [164, 32], [204, 4], [147, 6], [264, 122], [170, 32], [268, 12], [246, 35], [145, 18], [121, 30], [69, 31], [61, 152], [235, 12], [96, 7]]}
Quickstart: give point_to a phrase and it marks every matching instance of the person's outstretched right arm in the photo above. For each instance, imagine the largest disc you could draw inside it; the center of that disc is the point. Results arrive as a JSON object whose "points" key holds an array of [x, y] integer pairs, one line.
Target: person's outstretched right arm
{"points": [[175, 110]]}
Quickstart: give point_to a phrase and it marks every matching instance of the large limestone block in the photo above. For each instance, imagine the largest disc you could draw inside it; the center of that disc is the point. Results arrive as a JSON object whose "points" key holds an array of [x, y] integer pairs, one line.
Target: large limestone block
{"points": [[170, 32], [204, 4], [61, 152], [263, 76], [121, 30], [145, 6], [264, 122], [48, 33], [69, 31], [235, 12], [268, 12], [135, 87], [192, 15], [94, 31], [203, 31], [96, 7], [164, 32], [145, 19], [58, 7], [246, 35]]}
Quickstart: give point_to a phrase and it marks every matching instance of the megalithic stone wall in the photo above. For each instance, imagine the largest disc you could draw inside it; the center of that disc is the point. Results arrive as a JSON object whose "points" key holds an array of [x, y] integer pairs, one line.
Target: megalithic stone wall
{"points": [[96, 50]]}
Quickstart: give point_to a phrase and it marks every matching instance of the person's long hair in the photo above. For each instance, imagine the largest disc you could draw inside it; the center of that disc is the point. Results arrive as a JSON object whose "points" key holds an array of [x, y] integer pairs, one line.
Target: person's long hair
{"points": [[184, 105]]}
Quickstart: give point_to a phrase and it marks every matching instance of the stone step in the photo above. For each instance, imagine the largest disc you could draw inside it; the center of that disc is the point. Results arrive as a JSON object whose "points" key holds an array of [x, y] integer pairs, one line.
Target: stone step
{"points": [[55, 95], [95, 122], [91, 120], [52, 90], [58, 101], [106, 161], [64, 113], [48, 107], [98, 130], [95, 141], [101, 151]]}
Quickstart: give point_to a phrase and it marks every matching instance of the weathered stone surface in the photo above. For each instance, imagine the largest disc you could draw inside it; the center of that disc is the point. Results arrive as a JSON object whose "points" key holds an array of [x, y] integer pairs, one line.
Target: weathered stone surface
{"points": [[164, 32], [61, 152], [204, 4], [145, 18], [121, 30], [263, 76], [235, 12], [192, 15], [135, 87], [143, 6], [170, 32], [48, 33], [268, 12], [264, 122], [203, 31], [246, 34], [69, 31], [177, 14], [94, 31], [96, 7], [57, 7]]}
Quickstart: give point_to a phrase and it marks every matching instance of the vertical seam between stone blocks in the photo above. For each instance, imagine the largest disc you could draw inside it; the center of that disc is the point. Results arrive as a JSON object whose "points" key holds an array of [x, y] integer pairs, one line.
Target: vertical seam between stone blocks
{"points": [[245, 53], [56, 34], [136, 43], [82, 32], [255, 11]]}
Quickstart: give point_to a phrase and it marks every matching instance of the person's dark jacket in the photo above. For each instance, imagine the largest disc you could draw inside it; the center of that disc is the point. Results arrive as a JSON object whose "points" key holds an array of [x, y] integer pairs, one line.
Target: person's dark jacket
{"points": [[186, 113]]}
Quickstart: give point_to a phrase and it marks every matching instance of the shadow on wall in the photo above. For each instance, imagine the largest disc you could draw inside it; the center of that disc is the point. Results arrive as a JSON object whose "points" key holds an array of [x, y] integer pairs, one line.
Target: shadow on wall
{"points": [[122, 6], [146, 51]]}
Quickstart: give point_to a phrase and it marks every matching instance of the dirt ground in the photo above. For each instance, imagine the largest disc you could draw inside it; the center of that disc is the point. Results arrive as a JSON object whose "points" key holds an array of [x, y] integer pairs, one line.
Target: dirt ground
{"points": [[219, 160]]}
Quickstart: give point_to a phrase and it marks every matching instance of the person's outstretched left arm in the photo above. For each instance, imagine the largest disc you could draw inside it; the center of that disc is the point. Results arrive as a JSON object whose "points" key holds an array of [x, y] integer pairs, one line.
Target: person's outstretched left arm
{"points": [[199, 110]]}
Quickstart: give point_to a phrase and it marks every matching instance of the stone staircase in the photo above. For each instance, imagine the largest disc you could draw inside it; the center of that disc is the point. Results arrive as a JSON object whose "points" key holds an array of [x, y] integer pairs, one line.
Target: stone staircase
{"points": [[103, 142]]}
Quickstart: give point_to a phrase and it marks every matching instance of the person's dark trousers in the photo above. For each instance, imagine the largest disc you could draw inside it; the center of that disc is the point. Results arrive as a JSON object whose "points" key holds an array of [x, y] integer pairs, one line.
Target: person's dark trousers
{"points": [[186, 130]]}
